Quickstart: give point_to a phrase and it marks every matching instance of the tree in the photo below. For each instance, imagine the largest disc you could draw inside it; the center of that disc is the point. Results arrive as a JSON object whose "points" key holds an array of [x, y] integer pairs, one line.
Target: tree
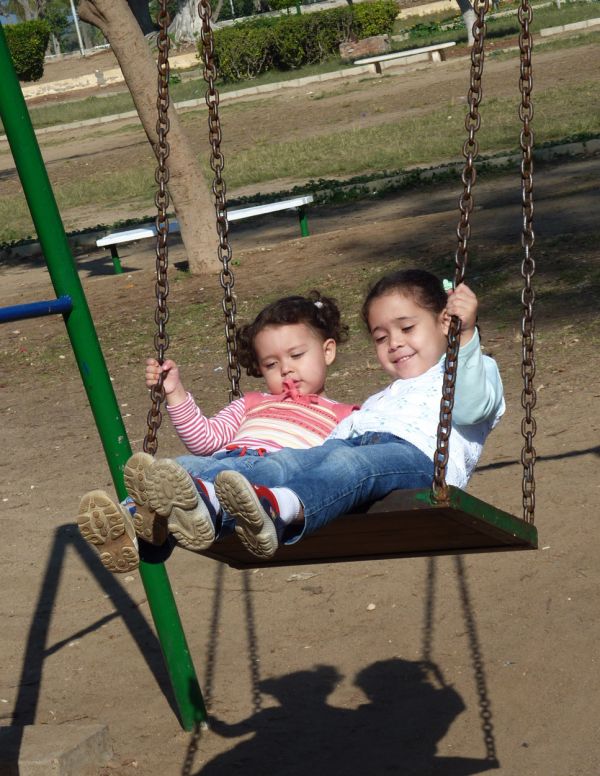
{"points": [[185, 27], [192, 201], [24, 10], [468, 15]]}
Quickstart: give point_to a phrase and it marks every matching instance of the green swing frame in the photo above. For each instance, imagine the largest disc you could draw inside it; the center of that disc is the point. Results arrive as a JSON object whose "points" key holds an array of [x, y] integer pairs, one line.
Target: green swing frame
{"points": [[404, 524]]}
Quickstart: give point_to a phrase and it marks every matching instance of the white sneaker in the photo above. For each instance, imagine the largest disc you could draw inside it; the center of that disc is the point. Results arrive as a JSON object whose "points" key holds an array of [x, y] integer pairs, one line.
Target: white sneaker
{"points": [[109, 528], [173, 494], [148, 525], [254, 508]]}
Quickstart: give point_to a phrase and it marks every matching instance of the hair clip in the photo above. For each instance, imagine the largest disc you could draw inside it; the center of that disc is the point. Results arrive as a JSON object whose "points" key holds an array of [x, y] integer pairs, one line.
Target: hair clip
{"points": [[318, 304], [448, 285]]}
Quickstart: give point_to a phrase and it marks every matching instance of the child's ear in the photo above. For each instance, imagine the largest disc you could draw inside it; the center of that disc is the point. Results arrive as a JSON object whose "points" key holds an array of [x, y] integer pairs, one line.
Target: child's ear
{"points": [[329, 351]]}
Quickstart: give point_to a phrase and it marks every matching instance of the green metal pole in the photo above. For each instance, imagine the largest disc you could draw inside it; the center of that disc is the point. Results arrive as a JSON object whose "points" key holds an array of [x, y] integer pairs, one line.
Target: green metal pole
{"points": [[84, 341], [303, 218], [116, 260]]}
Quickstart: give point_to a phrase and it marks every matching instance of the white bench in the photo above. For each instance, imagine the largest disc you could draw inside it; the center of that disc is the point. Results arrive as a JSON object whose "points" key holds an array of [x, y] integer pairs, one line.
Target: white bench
{"points": [[111, 241], [435, 53]]}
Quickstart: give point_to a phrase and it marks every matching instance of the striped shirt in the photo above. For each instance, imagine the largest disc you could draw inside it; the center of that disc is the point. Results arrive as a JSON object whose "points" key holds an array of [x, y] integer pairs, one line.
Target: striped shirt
{"points": [[259, 421]]}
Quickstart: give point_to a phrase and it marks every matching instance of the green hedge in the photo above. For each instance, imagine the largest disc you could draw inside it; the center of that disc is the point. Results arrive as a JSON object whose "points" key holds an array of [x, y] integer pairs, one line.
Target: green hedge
{"points": [[27, 43], [249, 48]]}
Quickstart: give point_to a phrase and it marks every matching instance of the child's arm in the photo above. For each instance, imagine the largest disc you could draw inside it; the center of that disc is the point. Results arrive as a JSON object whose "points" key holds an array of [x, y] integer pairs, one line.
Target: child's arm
{"points": [[478, 393], [175, 393], [462, 302], [201, 435]]}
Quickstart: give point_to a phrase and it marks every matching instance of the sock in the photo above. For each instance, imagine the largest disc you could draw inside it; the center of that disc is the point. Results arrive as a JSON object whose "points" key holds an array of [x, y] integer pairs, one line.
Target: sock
{"points": [[129, 504], [289, 504], [209, 492]]}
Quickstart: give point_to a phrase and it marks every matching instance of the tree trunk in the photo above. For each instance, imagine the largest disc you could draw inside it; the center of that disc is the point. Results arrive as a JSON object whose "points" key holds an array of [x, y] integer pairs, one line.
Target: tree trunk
{"points": [[468, 15], [186, 25], [190, 194]]}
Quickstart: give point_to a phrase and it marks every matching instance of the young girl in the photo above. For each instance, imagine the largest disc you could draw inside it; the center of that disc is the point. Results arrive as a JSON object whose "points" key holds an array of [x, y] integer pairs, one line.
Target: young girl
{"points": [[291, 344], [390, 442]]}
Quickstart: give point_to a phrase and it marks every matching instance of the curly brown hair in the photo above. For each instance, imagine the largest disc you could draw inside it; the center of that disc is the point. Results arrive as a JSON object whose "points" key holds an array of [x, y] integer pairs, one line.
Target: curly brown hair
{"points": [[319, 312]]}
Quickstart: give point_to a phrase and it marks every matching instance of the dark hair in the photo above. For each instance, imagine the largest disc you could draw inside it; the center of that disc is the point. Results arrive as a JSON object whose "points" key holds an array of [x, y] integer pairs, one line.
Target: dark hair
{"points": [[426, 289], [319, 312]]}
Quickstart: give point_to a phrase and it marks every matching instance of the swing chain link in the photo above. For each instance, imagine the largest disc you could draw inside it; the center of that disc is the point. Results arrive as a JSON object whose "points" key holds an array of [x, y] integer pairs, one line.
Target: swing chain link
{"points": [[161, 199], [528, 395], [440, 492], [217, 162]]}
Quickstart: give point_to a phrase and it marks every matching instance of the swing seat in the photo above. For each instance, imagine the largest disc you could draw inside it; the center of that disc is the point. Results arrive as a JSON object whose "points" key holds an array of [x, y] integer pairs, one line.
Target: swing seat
{"points": [[406, 523]]}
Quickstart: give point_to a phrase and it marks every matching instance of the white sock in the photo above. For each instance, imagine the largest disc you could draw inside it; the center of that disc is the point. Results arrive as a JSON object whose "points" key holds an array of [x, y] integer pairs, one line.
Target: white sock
{"points": [[212, 496], [290, 506]]}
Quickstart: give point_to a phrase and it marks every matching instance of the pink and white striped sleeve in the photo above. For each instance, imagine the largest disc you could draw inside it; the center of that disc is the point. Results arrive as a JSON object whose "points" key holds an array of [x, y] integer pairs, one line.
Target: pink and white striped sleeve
{"points": [[202, 435]]}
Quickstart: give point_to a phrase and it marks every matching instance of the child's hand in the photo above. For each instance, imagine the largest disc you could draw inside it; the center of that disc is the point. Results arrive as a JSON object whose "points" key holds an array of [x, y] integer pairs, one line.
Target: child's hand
{"points": [[462, 302], [174, 390]]}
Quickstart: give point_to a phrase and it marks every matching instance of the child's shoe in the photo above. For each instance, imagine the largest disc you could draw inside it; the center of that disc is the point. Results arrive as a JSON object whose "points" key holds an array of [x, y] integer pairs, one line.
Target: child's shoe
{"points": [[255, 509], [109, 527], [173, 494], [148, 525]]}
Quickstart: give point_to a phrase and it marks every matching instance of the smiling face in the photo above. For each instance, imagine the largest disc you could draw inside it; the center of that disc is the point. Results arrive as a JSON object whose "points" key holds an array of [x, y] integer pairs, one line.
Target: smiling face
{"points": [[294, 352], [409, 339]]}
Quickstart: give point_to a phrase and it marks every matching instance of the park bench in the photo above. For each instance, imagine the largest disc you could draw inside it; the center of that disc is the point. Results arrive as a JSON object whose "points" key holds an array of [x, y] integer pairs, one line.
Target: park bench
{"points": [[111, 241], [436, 53]]}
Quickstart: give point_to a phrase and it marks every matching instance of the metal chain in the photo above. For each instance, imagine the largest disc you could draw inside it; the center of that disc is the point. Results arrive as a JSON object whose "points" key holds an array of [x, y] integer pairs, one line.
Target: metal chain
{"points": [[217, 163], [528, 395], [440, 491], [161, 199]]}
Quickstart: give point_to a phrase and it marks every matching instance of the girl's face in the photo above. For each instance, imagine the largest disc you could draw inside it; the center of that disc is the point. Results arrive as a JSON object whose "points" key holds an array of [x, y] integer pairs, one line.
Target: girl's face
{"points": [[408, 339], [294, 352]]}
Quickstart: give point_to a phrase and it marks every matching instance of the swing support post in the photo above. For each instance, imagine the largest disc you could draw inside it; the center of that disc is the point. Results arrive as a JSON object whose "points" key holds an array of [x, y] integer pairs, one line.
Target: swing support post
{"points": [[94, 373]]}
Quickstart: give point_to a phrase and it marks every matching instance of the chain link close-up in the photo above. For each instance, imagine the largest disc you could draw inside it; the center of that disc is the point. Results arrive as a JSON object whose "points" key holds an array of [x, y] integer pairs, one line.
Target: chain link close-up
{"points": [[528, 396], [161, 315], [469, 175], [217, 163]]}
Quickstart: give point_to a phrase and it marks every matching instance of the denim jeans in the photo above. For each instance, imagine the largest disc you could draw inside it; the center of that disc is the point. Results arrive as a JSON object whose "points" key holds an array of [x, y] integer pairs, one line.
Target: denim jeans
{"points": [[333, 478], [206, 467]]}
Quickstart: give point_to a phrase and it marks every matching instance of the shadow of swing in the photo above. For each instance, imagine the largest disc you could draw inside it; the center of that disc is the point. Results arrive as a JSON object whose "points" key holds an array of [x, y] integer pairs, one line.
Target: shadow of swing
{"points": [[37, 649], [409, 710]]}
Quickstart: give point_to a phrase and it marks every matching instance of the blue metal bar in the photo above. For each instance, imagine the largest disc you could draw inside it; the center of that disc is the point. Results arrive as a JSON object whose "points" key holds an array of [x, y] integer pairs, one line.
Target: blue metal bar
{"points": [[17, 312]]}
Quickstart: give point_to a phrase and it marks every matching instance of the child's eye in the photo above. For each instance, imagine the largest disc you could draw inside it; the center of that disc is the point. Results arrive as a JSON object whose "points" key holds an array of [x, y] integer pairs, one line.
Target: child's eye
{"points": [[408, 328], [270, 365], [297, 355], [380, 339]]}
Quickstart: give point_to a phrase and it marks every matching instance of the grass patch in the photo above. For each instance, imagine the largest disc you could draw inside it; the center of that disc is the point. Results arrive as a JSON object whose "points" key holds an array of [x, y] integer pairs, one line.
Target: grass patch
{"points": [[191, 89], [428, 139], [443, 27]]}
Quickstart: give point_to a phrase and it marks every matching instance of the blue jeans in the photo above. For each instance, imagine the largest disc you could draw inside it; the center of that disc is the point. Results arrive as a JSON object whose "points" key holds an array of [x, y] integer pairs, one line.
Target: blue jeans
{"points": [[336, 477], [206, 467]]}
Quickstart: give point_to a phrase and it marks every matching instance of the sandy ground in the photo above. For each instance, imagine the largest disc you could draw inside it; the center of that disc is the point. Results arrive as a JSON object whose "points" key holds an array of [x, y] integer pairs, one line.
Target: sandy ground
{"points": [[418, 666]]}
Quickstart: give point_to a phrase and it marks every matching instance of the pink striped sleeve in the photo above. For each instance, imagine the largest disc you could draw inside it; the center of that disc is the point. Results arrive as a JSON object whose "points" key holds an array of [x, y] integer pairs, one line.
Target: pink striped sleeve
{"points": [[202, 435]]}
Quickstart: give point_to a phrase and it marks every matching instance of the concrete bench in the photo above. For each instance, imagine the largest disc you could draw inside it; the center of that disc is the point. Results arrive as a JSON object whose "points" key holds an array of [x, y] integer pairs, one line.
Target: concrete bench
{"points": [[111, 241], [436, 53]]}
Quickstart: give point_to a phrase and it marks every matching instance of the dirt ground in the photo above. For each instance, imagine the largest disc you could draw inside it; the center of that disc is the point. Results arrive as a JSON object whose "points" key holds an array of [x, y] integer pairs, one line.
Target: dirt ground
{"points": [[418, 666]]}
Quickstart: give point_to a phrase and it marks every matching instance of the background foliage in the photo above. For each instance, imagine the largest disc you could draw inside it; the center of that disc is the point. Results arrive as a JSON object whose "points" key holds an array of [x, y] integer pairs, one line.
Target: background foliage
{"points": [[249, 48]]}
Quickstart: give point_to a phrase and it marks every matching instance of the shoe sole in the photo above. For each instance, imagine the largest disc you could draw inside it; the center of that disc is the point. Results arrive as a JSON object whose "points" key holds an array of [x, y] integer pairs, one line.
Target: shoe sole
{"points": [[102, 523], [173, 495], [255, 528], [148, 525]]}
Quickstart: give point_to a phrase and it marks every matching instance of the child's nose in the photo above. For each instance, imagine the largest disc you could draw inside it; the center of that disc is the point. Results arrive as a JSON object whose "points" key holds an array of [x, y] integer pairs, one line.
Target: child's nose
{"points": [[396, 341]]}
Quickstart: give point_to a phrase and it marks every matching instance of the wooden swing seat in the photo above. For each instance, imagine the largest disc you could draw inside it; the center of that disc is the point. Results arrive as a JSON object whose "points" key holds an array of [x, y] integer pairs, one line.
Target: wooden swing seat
{"points": [[404, 524]]}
